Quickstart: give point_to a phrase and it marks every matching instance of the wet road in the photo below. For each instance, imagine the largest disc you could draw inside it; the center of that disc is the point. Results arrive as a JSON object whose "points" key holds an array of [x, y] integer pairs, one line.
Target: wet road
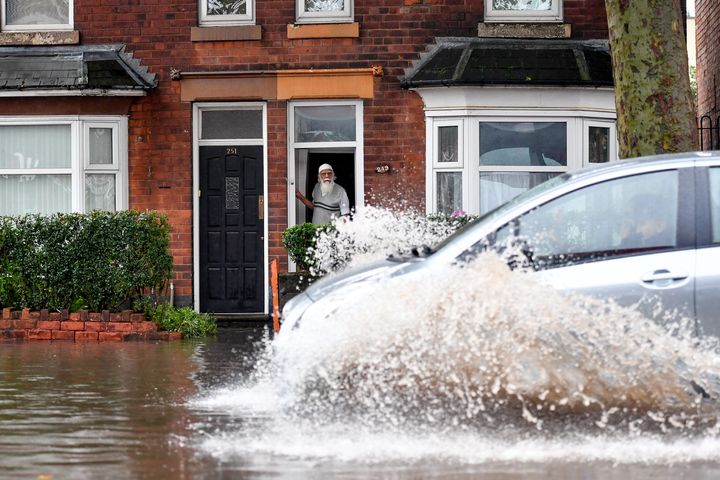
{"points": [[126, 411]]}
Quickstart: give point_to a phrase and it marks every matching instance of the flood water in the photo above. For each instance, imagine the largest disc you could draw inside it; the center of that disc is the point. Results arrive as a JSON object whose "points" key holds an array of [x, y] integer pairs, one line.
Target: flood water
{"points": [[135, 410]]}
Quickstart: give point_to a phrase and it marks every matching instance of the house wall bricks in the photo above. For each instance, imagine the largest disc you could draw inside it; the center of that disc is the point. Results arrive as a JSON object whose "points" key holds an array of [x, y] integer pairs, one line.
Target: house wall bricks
{"points": [[708, 57], [393, 33]]}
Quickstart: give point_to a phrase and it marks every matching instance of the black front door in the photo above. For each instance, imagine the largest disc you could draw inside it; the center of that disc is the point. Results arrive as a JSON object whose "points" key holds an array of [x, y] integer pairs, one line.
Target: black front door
{"points": [[232, 261]]}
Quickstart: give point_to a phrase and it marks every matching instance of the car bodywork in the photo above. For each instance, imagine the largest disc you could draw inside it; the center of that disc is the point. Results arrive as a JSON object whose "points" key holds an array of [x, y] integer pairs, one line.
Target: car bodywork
{"points": [[681, 275]]}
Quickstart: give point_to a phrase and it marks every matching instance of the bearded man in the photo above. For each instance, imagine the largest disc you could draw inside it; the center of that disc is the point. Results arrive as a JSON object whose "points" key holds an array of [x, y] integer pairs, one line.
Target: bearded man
{"points": [[329, 200]]}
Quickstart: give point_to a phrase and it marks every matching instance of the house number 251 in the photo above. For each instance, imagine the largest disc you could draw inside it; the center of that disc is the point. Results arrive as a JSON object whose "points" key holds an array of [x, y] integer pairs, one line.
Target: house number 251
{"points": [[231, 151]]}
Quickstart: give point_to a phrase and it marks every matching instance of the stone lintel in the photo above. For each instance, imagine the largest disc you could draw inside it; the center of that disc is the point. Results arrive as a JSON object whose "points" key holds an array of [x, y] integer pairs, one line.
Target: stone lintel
{"points": [[230, 33], [524, 30], [39, 38]]}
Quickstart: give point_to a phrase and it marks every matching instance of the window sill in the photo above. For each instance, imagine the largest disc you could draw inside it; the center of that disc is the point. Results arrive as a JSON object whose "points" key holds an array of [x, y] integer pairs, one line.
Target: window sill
{"points": [[221, 34], [323, 30], [40, 38], [524, 30]]}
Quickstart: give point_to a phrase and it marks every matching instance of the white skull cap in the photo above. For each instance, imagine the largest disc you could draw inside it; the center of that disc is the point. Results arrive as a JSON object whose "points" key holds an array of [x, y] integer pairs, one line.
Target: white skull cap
{"points": [[325, 166]]}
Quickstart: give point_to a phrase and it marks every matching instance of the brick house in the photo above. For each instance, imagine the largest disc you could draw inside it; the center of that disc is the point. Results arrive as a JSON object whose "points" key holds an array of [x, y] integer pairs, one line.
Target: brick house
{"points": [[708, 71], [215, 111]]}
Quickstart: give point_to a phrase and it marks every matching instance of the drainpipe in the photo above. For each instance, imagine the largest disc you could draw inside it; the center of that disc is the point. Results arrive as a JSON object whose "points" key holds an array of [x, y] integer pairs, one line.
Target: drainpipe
{"points": [[172, 294]]}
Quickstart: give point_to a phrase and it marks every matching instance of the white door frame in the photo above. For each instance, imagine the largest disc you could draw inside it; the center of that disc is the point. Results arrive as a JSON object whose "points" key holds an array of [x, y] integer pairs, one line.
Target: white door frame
{"points": [[292, 146], [198, 108]]}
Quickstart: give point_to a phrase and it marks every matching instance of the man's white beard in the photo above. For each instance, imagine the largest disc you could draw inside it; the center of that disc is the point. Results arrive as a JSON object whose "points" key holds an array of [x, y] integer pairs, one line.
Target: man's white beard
{"points": [[326, 187]]}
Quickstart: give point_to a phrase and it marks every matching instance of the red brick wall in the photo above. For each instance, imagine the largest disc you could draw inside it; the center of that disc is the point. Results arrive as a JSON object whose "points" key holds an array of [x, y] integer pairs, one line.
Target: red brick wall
{"points": [[392, 34], [80, 326], [708, 56]]}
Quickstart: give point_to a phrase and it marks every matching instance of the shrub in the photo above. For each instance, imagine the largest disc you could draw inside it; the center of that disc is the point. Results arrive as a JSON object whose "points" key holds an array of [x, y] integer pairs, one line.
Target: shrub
{"points": [[299, 240], [185, 320], [97, 260]]}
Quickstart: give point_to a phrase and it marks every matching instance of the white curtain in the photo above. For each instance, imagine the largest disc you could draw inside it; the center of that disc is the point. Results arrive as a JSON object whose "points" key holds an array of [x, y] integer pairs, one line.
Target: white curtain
{"points": [[100, 192], [30, 148], [497, 188], [35, 146], [45, 194]]}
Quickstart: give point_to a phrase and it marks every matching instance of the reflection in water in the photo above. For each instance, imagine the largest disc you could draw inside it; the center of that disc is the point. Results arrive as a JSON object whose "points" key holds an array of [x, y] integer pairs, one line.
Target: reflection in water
{"points": [[75, 410]]}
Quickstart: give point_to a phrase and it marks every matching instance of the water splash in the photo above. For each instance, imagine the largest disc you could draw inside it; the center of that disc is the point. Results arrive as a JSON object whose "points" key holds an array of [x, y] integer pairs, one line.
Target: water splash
{"points": [[483, 357], [484, 346], [374, 234]]}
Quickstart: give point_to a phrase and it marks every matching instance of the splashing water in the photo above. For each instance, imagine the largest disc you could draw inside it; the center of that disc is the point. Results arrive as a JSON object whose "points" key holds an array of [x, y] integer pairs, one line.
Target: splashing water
{"points": [[374, 234], [475, 364]]}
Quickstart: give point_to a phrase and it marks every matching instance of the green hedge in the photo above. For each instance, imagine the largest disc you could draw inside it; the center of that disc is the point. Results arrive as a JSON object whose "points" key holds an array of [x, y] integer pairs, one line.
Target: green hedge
{"points": [[298, 240], [98, 261]]}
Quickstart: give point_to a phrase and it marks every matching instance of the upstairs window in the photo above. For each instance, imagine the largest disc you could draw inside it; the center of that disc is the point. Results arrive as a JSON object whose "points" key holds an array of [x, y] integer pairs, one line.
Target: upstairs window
{"points": [[35, 15], [324, 11], [523, 11], [227, 12]]}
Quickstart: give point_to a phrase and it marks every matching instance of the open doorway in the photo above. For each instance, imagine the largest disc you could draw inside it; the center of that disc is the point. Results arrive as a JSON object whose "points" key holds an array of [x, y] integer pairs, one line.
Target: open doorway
{"points": [[324, 131], [307, 163]]}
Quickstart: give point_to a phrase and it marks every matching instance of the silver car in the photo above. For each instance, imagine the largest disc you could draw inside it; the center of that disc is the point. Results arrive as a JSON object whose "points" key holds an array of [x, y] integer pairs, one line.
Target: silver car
{"points": [[643, 231]]}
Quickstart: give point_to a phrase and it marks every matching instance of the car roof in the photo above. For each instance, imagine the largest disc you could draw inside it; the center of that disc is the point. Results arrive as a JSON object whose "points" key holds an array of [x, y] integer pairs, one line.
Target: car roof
{"points": [[648, 161]]}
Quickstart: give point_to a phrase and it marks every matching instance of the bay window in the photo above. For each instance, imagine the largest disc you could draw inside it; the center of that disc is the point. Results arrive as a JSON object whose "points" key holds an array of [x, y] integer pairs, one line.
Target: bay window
{"points": [[480, 162], [62, 165]]}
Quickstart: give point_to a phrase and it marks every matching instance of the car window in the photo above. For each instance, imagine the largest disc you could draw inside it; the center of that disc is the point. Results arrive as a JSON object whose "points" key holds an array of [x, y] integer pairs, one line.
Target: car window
{"points": [[715, 203], [621, 216]]}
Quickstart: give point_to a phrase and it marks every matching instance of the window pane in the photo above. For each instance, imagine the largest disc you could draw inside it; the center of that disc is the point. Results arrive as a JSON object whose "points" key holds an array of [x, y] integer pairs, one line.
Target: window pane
{"points": [[324, 5], [715, 203], [523, 143], [232, 124], [37, 12], [100, 192], [448, 144], [226, 7], [522, 4], [497, 188], [638, 212], [35, 146], [45, 194], [599, 141], [101, 146], [449, 192], [325, 123]]}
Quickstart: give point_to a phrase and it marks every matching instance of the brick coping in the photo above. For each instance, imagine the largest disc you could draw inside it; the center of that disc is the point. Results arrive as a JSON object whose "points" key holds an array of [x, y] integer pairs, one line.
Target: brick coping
{"points": [[82, 326]]}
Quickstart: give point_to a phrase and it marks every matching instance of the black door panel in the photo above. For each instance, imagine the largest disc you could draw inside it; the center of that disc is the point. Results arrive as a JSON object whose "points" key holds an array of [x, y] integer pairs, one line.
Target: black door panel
{"points": [[231, 230]]}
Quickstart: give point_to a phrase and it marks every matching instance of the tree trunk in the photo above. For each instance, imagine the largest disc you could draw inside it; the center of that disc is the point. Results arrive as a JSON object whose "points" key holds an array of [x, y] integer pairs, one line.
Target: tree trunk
{"points": [[654, 103]]}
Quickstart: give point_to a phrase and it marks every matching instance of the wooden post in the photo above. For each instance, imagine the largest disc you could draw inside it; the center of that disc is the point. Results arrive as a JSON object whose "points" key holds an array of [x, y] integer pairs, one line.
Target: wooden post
{"points": [[275, 294]]}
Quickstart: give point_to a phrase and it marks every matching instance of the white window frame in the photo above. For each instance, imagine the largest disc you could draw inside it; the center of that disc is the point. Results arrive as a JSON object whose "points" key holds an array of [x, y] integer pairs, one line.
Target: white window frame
{"points": [[207, 20], [79, 126], [5, 27], [555, 14], [357, 145], [469, 165], [612, 140], [344, 16]]}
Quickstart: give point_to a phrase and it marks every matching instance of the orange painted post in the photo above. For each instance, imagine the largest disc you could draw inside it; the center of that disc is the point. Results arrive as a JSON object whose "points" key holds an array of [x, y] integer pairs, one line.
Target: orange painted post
{"points": [[275, 294]]}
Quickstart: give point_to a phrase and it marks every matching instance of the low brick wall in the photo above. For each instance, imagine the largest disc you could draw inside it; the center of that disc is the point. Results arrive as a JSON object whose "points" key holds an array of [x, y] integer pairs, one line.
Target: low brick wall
{"points": [[80, 326]]}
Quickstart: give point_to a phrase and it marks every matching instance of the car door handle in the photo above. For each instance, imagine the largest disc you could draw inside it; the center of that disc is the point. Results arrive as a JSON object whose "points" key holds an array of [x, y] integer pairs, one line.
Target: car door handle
{"points": [[663, 275]]}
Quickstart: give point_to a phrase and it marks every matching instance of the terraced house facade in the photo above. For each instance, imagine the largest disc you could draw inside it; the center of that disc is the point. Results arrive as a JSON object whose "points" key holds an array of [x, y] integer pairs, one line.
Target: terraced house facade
{"points": [[215, 111]]}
